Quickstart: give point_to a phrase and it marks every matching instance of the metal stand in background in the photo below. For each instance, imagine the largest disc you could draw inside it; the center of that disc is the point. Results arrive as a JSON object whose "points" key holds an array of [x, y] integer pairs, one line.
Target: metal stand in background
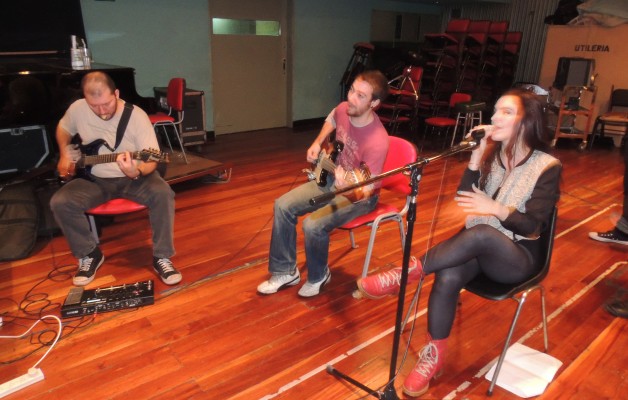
{"points": [[360, 61], [415, 171]]}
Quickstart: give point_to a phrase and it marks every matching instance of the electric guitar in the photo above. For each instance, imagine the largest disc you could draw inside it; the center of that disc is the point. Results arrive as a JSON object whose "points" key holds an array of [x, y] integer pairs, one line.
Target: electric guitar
{"points": [[325, 164], [90, 157]]}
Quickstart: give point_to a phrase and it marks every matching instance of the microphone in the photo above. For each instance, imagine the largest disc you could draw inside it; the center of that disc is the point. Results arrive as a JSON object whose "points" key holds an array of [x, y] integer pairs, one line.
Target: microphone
{"points": [[475, 138]]}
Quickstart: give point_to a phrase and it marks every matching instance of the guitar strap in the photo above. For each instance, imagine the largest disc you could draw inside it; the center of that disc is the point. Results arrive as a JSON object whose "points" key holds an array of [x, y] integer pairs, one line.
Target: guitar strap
{"points": [[124, 121]]}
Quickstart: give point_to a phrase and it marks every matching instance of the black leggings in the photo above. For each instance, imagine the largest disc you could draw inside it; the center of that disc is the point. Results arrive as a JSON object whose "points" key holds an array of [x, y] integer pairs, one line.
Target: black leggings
{"points": [[459, 259]]}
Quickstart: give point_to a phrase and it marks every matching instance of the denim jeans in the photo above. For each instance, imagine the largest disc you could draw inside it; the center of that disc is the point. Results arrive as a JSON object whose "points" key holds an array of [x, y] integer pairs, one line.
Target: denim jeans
{"points": [[317, 226], [71, 201]]}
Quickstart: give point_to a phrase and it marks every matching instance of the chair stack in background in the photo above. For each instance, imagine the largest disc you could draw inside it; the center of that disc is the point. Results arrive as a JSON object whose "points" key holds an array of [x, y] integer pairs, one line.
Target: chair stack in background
{"points": [[500, 62], [478, 57], [442, 54]]}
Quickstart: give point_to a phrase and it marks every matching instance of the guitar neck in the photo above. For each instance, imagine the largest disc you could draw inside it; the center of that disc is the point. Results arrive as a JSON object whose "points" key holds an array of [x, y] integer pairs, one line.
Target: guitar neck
{"points": [[105, 158]]}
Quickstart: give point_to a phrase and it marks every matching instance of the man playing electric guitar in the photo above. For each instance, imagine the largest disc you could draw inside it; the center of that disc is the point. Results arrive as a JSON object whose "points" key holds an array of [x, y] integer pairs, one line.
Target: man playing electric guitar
{"points": [[98, 116], [365, 143]]}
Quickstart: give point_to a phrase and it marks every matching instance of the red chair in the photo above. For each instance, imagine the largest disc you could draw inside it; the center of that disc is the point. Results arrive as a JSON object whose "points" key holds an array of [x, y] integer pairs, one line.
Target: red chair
{"points": [[400, 152], [442, 124], [174, 98], [111, 207]]}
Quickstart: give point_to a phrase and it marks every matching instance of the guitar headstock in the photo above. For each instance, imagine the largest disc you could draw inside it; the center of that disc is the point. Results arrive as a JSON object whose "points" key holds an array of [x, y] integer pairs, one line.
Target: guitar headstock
{"points": [[154, 155]]}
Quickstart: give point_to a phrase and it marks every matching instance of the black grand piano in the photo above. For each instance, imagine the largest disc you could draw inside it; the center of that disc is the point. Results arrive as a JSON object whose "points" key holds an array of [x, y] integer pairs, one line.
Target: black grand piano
{"points": [[38, 83], [38, 90]]}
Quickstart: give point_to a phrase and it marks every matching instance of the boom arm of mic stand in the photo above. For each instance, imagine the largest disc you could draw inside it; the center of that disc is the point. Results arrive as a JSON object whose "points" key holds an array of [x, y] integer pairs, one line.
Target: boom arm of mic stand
{"points": [[419, 163], [328, 196]]}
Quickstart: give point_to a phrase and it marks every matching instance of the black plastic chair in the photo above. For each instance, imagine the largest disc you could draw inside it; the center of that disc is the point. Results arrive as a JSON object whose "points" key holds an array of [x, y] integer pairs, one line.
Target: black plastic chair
{"points": [[616, 117], [489, 289]]}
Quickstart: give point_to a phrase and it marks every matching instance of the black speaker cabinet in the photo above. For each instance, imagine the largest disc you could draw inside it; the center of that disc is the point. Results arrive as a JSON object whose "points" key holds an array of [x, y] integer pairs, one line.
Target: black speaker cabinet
{"points": [[23, 148], [192, 128]]}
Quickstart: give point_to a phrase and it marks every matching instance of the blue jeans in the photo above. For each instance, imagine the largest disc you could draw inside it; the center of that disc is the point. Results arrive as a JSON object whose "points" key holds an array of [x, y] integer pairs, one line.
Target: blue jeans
{"points": [[323, 219], [71, 201]]}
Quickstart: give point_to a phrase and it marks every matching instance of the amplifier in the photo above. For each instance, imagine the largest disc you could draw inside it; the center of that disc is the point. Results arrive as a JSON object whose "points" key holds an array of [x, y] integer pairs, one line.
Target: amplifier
{"points": [[83, 302], [23, 148]]}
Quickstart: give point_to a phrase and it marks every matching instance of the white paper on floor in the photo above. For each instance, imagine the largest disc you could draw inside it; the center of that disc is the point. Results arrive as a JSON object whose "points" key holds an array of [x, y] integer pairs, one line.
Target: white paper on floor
{"points": [[525, 372]]}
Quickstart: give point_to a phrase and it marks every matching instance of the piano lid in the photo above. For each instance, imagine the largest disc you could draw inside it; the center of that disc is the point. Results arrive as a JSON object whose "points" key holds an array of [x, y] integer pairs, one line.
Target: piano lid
{"points": [[37, 91]]}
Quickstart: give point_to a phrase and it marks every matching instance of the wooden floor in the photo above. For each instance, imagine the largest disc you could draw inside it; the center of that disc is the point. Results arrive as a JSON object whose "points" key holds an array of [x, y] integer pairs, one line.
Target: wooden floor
{"points": [[214, 337]]}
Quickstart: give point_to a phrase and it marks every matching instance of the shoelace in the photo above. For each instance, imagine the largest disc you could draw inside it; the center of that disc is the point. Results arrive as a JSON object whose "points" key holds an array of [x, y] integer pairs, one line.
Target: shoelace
{"points": [[390, 278], [85, 263], [427, 360], [393, 277], [165, 265]]}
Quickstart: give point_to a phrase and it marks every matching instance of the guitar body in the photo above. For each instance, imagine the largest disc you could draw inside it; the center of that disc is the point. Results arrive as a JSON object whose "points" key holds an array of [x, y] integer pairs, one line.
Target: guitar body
{"points": [[326, 165], [327, 158], [80, 170], [90, 157], [356, 176]]}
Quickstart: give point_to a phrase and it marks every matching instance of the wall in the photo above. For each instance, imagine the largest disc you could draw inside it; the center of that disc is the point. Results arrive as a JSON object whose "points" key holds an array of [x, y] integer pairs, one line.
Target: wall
{"points": [[159, 38], [607, 46], [166, 38], [324, 34]]}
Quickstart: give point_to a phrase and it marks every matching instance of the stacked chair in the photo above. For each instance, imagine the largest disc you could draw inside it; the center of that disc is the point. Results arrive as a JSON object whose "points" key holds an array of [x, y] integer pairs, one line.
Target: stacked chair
{"points": [[443, 54], [401, 106], [500, 61], [473, 56], [462, 72]]}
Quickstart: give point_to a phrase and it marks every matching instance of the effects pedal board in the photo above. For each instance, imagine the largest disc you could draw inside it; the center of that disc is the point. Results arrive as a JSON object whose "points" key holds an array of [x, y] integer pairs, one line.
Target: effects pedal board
{"points": [[130, 295]]}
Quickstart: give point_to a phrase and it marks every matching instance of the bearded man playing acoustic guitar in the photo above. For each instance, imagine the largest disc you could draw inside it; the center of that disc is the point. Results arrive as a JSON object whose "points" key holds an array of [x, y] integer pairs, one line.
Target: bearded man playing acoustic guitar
{"points": [[364, 146], [96, 117]]}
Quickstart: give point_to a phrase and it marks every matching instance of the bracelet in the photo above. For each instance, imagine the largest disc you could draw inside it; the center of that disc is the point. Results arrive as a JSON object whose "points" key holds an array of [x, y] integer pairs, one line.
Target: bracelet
{"points": [[474, 165], [139, 173]]}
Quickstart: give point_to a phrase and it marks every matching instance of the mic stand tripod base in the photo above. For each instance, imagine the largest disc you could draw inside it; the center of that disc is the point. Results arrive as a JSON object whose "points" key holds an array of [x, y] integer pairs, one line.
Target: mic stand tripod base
{"points": [[388, 394]]}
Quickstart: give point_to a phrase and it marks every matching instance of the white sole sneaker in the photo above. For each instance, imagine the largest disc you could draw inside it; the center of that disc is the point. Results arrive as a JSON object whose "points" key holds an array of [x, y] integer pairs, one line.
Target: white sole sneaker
{"points": [[313, 289], [278, 282]]}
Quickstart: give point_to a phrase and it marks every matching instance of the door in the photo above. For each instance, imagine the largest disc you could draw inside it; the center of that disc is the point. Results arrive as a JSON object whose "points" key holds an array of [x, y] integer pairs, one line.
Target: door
{"points": [[249, 55]]}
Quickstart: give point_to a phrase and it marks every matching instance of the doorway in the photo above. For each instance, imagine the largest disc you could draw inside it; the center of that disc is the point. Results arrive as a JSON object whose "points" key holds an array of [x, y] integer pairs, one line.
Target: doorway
{"points": [[250, 68]]}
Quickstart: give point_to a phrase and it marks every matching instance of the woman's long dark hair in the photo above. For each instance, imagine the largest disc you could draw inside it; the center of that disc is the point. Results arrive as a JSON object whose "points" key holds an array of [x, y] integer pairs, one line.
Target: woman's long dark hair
{"points": [[532, 128]]}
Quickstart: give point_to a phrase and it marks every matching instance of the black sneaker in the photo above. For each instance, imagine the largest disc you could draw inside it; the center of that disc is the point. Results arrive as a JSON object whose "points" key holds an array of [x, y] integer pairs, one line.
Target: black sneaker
{"points": [[166, 271], [614, 236], [87, 267]]}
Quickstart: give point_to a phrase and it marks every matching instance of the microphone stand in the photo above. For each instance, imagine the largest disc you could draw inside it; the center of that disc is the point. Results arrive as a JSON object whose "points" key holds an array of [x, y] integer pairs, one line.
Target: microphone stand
{"points": [[415, 171]]}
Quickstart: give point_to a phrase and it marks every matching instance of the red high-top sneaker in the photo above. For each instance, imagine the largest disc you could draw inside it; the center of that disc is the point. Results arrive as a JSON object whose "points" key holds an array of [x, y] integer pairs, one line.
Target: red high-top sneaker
{"points": [[430, 364], [387, 283]]}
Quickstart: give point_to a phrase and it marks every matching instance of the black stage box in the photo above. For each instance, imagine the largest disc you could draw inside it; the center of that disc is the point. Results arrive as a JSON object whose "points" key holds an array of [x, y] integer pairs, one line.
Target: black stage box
{"points": [[23, 148]]}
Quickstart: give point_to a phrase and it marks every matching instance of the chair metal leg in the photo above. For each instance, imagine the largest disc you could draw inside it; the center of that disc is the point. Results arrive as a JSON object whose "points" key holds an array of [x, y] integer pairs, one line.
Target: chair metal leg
{"points": [[163, 127], [176, 131], [502, 356], [352, 239], [369, 249], [544, 315], [402, 232]]}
